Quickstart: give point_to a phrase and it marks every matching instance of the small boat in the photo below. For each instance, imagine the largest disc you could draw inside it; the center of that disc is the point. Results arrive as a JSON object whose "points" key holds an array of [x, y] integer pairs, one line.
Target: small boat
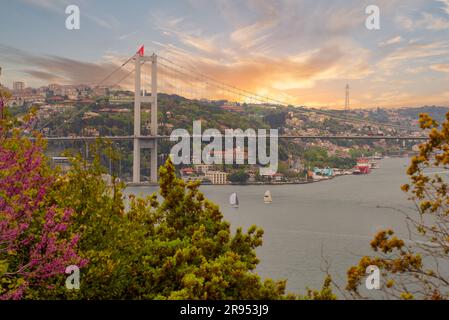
{"points": [[267, 197], [374, 164], [234, 200]]}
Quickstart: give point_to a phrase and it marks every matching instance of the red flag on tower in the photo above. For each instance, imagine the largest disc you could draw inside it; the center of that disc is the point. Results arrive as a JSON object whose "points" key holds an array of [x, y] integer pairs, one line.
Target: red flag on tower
{"points": [[140, 51]]}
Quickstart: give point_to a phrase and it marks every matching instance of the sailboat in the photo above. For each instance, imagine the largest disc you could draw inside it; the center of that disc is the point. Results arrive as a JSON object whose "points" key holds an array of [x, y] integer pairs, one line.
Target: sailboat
{"points": [[234, 200], [267, 197]]}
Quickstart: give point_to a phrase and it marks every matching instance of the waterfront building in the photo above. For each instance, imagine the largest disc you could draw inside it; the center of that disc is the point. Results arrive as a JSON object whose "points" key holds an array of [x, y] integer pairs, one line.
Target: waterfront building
{"points": [[217, 177], [203, 168]]}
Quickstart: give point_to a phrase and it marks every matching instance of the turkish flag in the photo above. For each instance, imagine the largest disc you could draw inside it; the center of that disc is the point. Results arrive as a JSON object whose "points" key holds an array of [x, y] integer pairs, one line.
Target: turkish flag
{"points": [[140, 51]]}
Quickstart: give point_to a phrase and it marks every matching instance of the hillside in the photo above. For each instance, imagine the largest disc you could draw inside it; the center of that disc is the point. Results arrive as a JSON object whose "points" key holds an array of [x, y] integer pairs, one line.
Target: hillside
{"points": [[103, 117]]}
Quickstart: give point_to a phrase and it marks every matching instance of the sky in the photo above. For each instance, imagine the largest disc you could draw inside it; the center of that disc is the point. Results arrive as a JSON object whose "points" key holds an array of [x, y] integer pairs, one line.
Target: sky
{"points": [[303, 52]]}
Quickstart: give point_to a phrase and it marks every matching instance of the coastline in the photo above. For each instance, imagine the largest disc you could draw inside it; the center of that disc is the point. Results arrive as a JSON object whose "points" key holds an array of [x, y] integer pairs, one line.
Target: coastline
{"points": [[257, 183], [147, 184]]}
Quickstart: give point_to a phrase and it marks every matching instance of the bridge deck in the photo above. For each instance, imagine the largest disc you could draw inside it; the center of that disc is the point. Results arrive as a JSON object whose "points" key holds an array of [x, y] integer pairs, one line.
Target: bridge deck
{"points": [[337, 137]]}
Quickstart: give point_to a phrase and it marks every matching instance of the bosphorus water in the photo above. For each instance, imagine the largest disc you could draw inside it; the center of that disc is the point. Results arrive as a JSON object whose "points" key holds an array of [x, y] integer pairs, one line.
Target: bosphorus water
{"points": [[310, 226]]}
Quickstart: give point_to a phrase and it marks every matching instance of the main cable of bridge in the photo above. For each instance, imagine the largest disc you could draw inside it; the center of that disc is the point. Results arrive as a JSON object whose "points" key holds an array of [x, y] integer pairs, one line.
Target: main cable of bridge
{"points": [[247, 94], [222, 86], [218, 84], [97, 84]]}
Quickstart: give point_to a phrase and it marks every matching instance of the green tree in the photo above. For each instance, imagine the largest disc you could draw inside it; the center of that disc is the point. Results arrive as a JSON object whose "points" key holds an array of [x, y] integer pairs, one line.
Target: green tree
{"points": [[176, 246], [316, 155], [239, 176]]}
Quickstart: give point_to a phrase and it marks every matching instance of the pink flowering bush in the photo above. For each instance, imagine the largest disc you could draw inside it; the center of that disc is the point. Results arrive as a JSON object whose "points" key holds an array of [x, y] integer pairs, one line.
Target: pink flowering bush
{"points": [[35, 244]]}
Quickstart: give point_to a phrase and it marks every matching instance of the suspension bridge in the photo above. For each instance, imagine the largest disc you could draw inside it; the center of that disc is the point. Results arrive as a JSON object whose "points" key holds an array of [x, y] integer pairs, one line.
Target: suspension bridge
{"points": [[195, 86]]}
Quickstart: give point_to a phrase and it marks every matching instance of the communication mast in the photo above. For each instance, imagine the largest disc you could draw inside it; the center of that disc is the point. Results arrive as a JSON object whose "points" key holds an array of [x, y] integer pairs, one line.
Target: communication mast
{"points": [[347, 98]]}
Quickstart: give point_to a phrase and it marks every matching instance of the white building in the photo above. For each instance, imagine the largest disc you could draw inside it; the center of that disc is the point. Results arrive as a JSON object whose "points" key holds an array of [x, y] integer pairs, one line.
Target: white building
{"points": [[56, 88], [203, 168], [217, 177], [18, 85]]}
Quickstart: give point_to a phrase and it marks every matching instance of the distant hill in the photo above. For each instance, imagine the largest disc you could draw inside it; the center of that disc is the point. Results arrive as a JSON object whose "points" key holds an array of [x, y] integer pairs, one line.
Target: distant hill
{"points": [[437, 113]]}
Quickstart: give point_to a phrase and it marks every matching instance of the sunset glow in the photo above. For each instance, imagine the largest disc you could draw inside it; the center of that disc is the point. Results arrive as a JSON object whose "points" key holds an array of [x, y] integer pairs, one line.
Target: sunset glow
{"points": [[274, 48]]}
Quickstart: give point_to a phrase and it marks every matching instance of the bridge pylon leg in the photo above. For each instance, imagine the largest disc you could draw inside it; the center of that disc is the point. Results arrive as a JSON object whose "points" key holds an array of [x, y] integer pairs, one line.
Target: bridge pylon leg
{"points": [[136, 160], [138, 99], [154, 125], [137, 124], [153, 162]]}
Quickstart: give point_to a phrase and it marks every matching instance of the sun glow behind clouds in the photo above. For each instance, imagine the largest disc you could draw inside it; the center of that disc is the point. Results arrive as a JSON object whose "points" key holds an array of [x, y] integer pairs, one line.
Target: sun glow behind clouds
{"points": [[301, 52], [308, 52]]}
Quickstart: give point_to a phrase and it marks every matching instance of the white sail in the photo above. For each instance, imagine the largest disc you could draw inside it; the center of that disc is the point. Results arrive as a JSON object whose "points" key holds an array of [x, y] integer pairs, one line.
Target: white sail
{"points": [[234, 200], [267, 197]]}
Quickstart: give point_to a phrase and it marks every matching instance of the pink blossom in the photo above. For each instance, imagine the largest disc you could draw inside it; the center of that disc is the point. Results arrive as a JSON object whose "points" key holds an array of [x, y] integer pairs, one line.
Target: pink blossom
{"points": [[28, 226]]}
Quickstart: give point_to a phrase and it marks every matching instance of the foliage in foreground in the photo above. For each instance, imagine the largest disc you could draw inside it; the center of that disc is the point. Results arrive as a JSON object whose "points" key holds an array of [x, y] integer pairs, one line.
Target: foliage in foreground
{"points": [[35, 246], [174, 245], [417, 268], [177, 247]]}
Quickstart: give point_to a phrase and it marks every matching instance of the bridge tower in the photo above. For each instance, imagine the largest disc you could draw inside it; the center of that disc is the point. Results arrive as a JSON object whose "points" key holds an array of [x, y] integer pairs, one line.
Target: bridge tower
{"points": [[140, 143]]}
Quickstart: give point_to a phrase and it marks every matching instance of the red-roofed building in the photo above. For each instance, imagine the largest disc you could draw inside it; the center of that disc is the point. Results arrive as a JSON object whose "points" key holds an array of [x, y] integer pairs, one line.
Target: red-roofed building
{"points": [[232, 108], [186, 171]]}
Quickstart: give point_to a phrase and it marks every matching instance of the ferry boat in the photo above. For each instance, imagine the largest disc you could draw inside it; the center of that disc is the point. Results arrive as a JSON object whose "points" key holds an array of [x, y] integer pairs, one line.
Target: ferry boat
{"points": [[363, 165]]}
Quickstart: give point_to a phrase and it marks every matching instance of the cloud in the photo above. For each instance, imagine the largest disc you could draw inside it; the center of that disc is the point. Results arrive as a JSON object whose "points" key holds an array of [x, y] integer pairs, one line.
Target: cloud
{"points": [[405, 22], [413, 51], [294, 50], [59, 6], [279, 77], [43, 75], [194, 38], [416, 70], [253, 35], [54, 68], [277, 48], [55, 6], [431, 22], [445, 5], [425, 20], [265, 27], [441, 67], [108, 23], [276, 45], [391, 41], [128, 35]]}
